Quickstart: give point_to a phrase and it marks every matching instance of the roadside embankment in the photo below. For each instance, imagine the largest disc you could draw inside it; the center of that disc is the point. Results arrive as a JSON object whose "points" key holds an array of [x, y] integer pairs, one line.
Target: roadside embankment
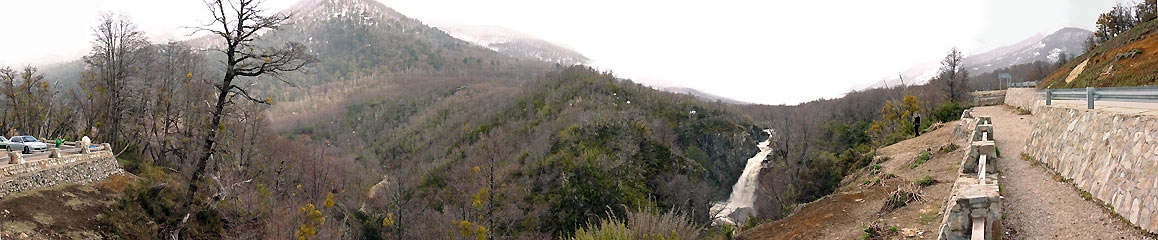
{"points": [[75, 168], [1111, 155]]}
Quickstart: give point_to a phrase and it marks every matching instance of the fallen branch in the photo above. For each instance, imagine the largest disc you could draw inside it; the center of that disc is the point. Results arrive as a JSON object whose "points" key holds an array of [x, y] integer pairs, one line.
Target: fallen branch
{"points": [[901, 197]]}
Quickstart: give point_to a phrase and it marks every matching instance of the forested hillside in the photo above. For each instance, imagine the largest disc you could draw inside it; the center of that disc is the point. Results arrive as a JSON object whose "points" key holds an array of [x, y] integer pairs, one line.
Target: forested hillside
{"points": [[347, 119], [390, 129], [570, 147]]}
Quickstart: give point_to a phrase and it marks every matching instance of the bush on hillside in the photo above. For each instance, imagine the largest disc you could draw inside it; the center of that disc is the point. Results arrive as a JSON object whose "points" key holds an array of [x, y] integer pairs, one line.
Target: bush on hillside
{"points": [[645, 224], [925, 181], [948, 112]]}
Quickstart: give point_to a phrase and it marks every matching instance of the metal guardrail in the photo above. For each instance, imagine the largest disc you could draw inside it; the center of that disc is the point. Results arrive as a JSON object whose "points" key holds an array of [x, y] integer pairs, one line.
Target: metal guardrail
{"points": [[1028, 84], [1147, 94]]}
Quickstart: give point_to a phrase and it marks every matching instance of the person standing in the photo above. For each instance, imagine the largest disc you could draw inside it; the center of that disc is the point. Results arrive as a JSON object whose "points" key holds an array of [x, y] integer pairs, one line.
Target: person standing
{"points": [[917, 125]]}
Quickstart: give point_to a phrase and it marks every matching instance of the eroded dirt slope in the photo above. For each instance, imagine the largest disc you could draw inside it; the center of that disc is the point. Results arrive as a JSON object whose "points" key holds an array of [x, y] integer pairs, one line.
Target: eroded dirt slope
{"points": [[841, 215]]}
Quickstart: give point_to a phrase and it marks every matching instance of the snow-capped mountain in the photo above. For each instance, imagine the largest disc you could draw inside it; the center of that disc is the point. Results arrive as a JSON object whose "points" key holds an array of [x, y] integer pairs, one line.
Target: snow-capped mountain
{"points": [[361, 11], [1049, 48], [513, 43]]}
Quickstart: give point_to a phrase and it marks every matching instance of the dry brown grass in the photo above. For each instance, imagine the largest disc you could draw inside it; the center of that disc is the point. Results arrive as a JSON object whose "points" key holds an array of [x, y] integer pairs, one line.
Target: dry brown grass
{"points": [[1131, 59], [901, 197], [879, 230], [115, 182]]}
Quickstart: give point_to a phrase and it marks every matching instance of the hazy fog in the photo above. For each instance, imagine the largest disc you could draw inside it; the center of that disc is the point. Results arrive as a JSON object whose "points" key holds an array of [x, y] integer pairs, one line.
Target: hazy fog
{"points": [[757, 51]]}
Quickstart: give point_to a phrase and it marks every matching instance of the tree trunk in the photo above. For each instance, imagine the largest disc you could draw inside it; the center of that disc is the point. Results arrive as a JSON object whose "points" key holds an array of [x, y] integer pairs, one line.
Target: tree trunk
{"points": [[210, 139]]}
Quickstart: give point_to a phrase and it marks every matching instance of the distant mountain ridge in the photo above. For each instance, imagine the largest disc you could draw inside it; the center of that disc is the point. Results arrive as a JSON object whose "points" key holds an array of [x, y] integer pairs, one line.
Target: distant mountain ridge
{"points": [[427, 106], [1126, 60], [1046, 48], [703, 95], [513, 43], [1070, 41], [368, 12]]}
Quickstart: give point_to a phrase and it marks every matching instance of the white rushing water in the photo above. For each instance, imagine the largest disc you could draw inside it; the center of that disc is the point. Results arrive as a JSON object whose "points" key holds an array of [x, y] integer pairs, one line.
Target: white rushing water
{"points": [[744, 192]]}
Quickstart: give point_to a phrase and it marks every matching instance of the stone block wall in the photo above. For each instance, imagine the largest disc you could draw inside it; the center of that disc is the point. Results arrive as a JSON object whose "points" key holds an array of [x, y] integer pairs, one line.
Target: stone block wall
{"points": [[1025, 98], [988, 98], [77, 168], [1111, 155], [974, 203]]}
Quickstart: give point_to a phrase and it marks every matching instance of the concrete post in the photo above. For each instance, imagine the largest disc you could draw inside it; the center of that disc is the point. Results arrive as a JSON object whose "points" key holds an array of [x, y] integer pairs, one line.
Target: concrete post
{"points": [[15, 158], [1048, 96], [1090, 97]]}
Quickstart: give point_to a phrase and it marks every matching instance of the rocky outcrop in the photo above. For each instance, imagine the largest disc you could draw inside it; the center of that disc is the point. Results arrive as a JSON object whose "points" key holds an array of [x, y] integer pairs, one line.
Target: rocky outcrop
{"points": [[729, 151], [77, 168]]}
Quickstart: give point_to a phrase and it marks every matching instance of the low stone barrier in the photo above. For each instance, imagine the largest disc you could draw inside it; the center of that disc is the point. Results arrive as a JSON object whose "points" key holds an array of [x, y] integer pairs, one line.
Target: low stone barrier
{"points": [[988, 98], [15, 158], [1111, 155], [75, 168], [974, 206], [1024, 98]]}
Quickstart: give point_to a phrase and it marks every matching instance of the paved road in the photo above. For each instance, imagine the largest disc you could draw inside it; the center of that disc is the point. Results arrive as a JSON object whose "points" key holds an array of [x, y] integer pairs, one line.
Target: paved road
{"points": [[1123, 107]]}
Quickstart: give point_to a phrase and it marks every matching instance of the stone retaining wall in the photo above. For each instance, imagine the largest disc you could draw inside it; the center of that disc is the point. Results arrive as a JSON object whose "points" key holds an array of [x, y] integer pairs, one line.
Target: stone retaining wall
{"points": [[1113, 156], [988, 98], [76, 168], [1025, 98]]}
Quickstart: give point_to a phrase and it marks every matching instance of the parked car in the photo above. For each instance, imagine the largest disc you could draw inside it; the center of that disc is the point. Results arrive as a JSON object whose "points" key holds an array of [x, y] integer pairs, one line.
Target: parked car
{"points": [[26, 144], [3, 142]]}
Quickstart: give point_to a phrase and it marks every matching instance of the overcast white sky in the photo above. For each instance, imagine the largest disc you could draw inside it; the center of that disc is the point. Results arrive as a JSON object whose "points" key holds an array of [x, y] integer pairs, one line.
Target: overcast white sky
{"points": [[769, 52]]}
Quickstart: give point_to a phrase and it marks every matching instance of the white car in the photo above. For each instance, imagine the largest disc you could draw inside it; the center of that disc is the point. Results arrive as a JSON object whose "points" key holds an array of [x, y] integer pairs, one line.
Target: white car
{"points": [[26, 144]]}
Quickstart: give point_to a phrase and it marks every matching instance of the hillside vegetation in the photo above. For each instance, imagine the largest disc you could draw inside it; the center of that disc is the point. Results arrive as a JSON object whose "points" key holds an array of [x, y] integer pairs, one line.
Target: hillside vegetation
{"points": [[397, 130], [567, 148], [1129, 59]]}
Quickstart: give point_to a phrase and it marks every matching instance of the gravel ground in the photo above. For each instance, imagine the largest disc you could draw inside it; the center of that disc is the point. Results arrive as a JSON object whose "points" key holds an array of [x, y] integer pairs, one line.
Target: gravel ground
{"points": [[1037, 206]]}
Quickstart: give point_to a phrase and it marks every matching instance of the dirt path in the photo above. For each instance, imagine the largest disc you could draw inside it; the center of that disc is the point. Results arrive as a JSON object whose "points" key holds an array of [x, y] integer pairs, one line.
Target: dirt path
{"points": [[1037, 206]]}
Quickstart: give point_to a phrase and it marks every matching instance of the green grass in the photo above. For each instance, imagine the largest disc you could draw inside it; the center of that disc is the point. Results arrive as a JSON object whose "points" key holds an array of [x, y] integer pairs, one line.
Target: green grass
{"points": [[874, 169], [925, 156], [925, 181], [926, 218]]}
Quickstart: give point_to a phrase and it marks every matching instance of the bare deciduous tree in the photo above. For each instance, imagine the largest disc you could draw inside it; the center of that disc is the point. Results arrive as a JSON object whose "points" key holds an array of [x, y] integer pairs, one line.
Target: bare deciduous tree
{"points": [[116, 50], [955, 76], [239, 23]]}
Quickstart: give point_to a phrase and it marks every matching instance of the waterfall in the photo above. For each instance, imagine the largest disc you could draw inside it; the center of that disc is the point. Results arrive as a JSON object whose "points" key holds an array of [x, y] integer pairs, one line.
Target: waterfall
{"points": [[744, 192]]}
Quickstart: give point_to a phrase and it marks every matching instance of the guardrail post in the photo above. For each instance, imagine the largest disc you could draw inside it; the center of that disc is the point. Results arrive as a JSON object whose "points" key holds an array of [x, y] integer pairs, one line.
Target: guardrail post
{"points": [[1048, 96], [1090, 97]]}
